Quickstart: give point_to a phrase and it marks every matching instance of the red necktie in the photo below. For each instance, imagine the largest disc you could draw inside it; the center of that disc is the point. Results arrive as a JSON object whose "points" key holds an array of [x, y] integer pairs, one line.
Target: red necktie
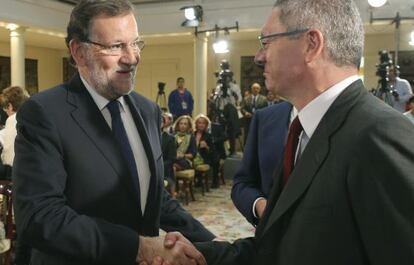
{"points": [[290, 148]]}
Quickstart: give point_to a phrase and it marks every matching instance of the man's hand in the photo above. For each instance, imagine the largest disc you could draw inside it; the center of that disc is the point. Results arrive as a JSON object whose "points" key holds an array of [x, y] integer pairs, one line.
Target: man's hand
{"points": [[260, 207], [175, 249]]}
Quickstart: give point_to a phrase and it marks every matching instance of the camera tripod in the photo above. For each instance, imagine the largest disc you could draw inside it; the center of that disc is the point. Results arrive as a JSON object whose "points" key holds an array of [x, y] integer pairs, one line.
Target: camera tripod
{"points": [[161, 101], [385, 92]]}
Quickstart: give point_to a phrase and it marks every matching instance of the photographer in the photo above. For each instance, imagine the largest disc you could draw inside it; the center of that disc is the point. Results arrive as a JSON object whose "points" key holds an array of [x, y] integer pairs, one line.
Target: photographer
{"points": [[401, 87], [224, 105]]}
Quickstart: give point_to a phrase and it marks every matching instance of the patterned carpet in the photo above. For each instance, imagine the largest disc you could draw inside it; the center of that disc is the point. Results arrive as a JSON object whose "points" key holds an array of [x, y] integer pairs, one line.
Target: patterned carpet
{"points": [[216, 211]]}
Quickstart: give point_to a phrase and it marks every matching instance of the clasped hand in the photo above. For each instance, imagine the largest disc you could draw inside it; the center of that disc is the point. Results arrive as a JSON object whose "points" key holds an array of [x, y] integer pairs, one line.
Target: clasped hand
{"points": [[175, 249]]}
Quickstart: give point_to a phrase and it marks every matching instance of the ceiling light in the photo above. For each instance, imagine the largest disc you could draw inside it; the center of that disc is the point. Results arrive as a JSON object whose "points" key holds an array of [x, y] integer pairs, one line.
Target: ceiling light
{"points": [[193, 16], [376, 3], [189, 13], [12, 27], [221, 46]]}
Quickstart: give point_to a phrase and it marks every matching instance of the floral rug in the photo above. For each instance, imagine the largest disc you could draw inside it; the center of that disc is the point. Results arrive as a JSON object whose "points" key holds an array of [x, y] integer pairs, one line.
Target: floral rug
{"points": [[217, 212]]}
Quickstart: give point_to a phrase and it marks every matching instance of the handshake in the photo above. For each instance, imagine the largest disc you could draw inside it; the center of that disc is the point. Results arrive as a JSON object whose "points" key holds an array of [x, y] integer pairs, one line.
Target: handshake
{"points": [[175, 249]]}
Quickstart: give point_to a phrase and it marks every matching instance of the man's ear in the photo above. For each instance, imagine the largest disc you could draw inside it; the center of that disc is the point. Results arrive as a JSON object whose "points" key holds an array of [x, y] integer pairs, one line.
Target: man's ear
{"points": [[315, 44], [77, 52]]}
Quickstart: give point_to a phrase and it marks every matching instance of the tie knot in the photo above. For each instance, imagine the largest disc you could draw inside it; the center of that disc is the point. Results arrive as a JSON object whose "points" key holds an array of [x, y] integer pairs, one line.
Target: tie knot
{"points": [[296, 128], [113, 107]]}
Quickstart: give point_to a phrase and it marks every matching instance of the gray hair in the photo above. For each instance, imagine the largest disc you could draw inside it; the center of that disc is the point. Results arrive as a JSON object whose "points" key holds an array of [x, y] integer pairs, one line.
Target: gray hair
{"points": [[338, 20], [86, 10]]}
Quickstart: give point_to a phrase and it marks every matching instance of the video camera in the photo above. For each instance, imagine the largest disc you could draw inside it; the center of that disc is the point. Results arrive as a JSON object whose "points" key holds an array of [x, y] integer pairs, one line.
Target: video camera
{"points": [[161, 88], [224, 78], [384, 89], [383, 67]]}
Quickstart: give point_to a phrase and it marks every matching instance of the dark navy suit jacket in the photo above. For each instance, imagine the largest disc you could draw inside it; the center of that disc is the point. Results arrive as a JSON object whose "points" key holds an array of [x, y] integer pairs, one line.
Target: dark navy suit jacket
{"points": [[263, 153], [74, 198]]}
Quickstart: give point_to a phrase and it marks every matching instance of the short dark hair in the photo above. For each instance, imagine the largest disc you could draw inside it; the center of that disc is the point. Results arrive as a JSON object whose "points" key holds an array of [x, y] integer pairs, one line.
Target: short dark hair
{"points": [[180, 79], [13, 95], [86, 10]]}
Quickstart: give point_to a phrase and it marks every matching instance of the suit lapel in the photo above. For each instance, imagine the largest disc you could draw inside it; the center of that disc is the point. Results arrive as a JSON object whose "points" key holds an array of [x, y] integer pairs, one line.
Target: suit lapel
{"points": [[312, 158], [90, 119], [87, 115]]}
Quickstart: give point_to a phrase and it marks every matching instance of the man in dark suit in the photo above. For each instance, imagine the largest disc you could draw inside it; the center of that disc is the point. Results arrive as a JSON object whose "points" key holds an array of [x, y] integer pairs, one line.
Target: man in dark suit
{"points": [[263, 153], [250, 104], [88, 171], [346, 191]]}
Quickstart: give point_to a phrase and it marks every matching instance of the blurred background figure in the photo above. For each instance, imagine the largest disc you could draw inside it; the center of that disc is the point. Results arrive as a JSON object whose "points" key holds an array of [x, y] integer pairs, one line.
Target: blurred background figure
{"points": [[180, 100], [168, 120], [10, 99], [401, 87], [271, 98], [410, 113], [206, 153], [250, 104], [169, 152]]}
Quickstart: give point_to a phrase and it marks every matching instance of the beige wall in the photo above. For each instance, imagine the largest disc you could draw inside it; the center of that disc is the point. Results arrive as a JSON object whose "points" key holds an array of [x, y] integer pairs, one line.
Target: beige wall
{"points": [[164, 63], [49, 64]]}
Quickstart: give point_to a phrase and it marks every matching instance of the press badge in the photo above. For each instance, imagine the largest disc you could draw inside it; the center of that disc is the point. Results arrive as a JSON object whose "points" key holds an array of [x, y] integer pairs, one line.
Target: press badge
{"points": [[183, 104]]}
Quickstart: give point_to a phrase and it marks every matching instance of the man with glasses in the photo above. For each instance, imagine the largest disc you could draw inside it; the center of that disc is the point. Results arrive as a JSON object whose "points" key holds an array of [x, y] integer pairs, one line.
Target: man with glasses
{"points": [[88, 178], [345, 193]]}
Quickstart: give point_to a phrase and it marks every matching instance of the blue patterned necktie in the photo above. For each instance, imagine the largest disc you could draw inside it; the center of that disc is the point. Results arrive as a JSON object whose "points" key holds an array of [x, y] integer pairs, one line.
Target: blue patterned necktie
{"points": [[118, 130]]}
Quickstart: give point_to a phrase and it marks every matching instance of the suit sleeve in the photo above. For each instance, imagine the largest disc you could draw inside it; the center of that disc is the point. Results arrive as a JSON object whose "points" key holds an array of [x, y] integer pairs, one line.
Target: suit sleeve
{"points": [[241, 252], [381, 188], [43, 217], [175, 218], [246, 183]]}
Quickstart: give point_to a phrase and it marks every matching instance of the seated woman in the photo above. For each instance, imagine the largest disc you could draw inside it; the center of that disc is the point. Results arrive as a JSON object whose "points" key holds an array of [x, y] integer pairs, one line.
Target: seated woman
{"points": [[205, 148], [185, 142]]}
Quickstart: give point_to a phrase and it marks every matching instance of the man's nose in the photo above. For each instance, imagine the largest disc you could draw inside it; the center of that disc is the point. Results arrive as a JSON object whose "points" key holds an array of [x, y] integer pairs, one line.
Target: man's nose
{"points": [[259, 58], [130, 56]]}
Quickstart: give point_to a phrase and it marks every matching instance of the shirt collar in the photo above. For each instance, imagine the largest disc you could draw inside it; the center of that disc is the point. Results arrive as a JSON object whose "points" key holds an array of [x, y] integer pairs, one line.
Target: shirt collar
{"points": [[100, 101], [312, 113]]}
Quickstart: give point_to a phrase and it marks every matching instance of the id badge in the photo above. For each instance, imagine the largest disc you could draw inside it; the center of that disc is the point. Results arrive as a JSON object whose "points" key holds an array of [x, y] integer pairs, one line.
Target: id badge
{"points": [[184, 104]]}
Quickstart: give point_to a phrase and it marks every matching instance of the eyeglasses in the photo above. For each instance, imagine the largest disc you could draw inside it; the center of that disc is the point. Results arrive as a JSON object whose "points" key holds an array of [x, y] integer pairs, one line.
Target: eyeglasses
{"points": [[262, 38], [117, 48]]}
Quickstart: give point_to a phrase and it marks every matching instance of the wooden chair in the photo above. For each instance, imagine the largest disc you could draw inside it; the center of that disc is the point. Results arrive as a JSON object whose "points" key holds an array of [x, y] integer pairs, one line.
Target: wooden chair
{"points": [[187, 177], [6, 216], [203, 171]]}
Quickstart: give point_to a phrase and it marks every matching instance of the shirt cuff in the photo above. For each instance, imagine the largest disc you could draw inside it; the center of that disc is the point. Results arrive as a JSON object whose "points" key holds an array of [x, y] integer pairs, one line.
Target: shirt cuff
{"points": [[254, 206]]}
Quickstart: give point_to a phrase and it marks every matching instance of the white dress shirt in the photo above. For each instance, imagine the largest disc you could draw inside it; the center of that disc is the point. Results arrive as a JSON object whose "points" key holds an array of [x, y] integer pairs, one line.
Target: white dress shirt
{"points": [[140, 156], [313, 112]]}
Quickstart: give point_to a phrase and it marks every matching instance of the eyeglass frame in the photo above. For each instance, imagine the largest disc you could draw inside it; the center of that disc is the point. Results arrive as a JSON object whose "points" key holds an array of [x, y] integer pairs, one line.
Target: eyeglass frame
{"points": [[279, 34], [107, 48]]}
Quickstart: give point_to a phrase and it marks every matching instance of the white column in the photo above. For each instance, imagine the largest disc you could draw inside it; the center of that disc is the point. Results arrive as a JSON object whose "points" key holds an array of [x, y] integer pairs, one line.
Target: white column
{"points": [[17, 55], [200, 74]]}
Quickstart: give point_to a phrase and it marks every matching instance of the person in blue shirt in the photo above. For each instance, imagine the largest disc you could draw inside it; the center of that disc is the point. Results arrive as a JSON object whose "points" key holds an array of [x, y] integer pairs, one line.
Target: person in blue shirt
{"points": [[180, 100]]}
